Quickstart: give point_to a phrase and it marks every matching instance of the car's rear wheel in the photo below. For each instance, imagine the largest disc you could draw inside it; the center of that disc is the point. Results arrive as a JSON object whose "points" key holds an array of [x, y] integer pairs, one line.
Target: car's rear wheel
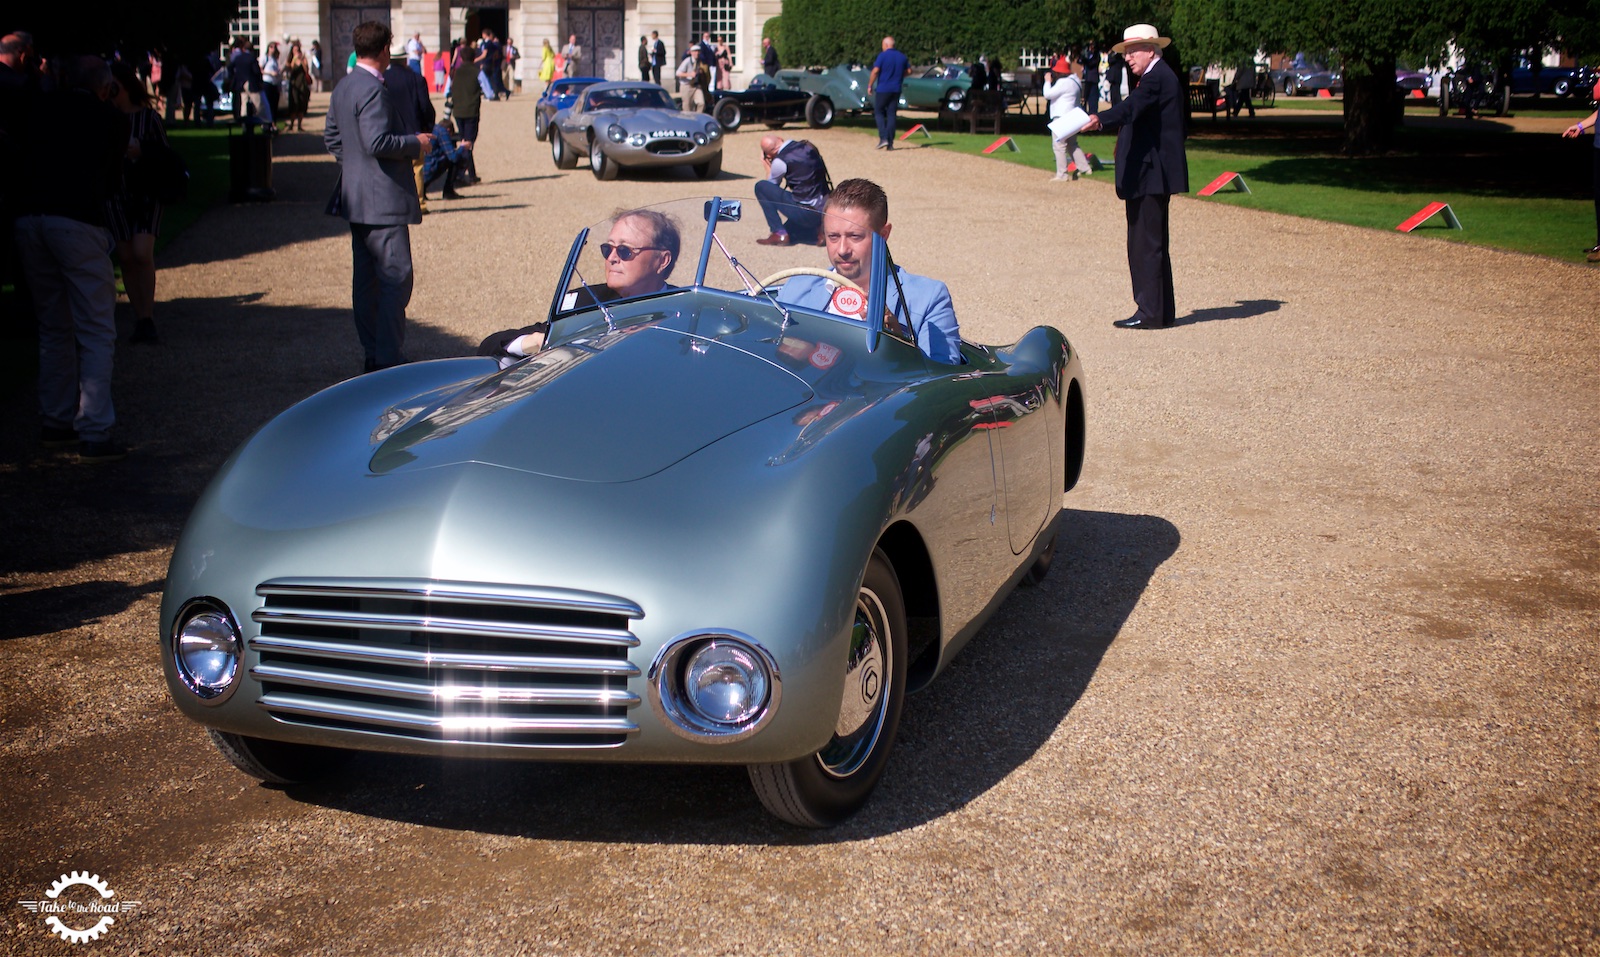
{"points": [[956, 100], [728, 114], [825, 788], [1036, 572], [604, 167], [819, 112], [711, 168], [275, 762], [560, 153], [539, 128]]}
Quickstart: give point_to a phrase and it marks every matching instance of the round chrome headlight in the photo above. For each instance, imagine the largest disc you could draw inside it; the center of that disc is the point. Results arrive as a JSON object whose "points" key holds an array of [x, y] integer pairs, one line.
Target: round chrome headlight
{"points": [[724, 683], [714, 687], [700, 139], [636, 139], [713, 132], [206, 648], [616, 133]]}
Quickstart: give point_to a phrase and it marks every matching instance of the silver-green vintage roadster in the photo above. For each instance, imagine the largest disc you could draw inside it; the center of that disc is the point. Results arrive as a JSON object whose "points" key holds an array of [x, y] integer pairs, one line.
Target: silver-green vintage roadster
{"points": [[700, 524]]}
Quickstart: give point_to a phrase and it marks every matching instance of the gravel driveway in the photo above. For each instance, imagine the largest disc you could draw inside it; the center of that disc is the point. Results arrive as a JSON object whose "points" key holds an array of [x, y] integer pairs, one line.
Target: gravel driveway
{"points": [[1315, 671]]}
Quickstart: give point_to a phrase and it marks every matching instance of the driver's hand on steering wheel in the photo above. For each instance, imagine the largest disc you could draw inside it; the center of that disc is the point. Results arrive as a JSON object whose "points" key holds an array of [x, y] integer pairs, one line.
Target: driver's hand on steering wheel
{"points": [[892, 324]]}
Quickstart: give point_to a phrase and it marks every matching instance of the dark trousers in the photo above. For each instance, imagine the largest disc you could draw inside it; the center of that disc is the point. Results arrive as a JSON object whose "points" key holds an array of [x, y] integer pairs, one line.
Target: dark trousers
{"points": [[1091, 92], [468, 126], [777, 202], [655, 75], [1150, 259], [884, 108], [380, 290]]}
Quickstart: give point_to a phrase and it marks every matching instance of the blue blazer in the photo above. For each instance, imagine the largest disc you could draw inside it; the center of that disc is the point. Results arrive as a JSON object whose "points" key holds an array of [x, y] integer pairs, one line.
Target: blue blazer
{"points": [[1150, 157], [933, 315], [366, 135]]}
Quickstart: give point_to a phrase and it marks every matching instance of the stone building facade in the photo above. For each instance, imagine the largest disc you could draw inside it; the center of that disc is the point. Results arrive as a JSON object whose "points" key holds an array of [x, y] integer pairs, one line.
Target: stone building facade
{"points": [[608, 30]]}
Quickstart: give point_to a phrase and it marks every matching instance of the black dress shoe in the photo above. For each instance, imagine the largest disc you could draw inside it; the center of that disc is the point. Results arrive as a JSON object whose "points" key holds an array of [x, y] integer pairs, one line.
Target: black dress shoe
{"points": [[1132, 322], [452, 194]]}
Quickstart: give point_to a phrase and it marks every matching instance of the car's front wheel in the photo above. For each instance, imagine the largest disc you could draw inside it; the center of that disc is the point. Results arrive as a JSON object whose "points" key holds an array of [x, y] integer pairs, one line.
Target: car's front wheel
{"points": [[956, 100], [1290, 88], [819, 112], [1563, 87], [604, 167], [275, 762], [825, 788], [711, 168], [728, 114]]}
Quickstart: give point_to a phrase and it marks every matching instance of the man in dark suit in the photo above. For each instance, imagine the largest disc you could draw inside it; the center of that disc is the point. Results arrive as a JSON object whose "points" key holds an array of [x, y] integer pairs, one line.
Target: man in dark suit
{"points": [[658, 56], [376, 193], [408, 91], [1151, 166]]}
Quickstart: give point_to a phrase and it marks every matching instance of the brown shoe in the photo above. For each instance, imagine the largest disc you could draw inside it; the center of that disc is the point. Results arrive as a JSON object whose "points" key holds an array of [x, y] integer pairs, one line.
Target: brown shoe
{"points": [[1592, 254], [776, 239]]}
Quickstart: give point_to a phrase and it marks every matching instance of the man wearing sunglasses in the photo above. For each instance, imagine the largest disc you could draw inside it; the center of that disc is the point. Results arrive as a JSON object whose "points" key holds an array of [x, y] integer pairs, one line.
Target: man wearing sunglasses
{"points": [[639, 252]]}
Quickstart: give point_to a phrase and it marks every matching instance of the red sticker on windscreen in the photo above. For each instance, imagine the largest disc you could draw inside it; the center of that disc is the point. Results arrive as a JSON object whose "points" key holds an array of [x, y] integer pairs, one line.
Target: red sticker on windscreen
{"points": [[848, 302]]}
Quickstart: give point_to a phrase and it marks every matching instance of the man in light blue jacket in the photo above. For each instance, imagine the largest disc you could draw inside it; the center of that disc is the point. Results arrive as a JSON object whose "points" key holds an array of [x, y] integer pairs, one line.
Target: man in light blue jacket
{"points": [[855, 210]]}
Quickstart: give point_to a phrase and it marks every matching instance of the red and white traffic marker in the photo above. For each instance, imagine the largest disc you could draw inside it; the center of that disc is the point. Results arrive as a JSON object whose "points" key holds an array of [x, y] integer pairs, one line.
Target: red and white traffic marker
{"points": [[1238, 182], [1005, 141], [919, 128], [1428, 212]]}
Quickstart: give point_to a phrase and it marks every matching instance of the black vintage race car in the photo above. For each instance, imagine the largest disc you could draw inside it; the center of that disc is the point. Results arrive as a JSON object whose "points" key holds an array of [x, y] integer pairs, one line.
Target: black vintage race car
{"points": [[766, 102]]}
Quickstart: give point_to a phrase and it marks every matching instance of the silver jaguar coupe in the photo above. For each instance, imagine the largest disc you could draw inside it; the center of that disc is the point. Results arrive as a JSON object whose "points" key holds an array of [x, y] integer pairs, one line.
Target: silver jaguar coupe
{"points": [[632, 124]]}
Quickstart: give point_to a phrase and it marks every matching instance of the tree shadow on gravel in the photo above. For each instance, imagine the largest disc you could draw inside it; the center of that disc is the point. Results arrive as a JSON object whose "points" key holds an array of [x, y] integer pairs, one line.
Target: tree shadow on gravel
{"points": [[59, 608], [225, 365], [301, 185], [991, 711]]}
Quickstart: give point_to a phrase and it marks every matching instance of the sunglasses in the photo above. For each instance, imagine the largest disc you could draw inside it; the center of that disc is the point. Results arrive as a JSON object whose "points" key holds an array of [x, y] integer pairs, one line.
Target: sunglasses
{"points": [[624, 253]]}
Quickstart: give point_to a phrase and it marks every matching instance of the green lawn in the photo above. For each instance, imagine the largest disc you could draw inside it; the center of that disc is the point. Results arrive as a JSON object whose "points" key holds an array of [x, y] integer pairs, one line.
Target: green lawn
{"points": [[1527, 192], [206, 152]]}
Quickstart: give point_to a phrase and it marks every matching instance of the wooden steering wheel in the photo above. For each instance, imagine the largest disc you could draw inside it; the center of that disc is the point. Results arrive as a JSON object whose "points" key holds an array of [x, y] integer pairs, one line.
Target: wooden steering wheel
{"points": [[793, 271]]}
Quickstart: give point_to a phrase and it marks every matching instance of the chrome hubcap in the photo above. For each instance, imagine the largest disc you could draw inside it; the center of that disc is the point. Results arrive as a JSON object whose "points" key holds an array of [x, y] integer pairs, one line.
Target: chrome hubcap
{"points": [[866, 690]]}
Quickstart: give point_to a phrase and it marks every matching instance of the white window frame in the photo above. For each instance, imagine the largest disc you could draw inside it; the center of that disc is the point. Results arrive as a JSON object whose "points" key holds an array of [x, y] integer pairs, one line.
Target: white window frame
{"points": [[721, 17]]}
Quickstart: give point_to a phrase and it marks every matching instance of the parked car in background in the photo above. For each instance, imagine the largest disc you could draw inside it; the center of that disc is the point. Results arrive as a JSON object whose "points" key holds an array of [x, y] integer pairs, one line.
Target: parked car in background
{"points": [[845, 85], [1308, 80], [633, 124], [942, 87], [1530, 79], [775, 105], [561, 95], [702, 525], [1407, 79]]}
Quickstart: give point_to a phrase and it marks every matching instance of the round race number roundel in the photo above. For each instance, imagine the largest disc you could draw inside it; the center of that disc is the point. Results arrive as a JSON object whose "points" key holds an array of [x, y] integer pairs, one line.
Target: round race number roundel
{"points": [[848, 302]]}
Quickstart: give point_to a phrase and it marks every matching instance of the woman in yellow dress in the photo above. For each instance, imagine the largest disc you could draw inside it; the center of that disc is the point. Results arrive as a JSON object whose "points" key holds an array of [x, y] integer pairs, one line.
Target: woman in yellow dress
{"points": [[547, 64]]}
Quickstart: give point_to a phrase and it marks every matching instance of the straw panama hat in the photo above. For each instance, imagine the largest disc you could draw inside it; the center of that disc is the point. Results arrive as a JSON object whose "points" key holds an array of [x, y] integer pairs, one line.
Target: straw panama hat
{"points": [[1140, 33]]}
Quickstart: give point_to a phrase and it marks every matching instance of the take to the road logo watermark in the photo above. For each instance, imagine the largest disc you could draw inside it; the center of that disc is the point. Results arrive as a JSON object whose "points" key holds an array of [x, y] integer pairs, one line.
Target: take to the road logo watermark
{"points": [[79, 907]]}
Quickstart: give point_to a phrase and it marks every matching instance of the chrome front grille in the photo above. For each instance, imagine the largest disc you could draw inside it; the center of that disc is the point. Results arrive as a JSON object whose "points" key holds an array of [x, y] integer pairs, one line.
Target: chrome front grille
{"points": [[670, 147], [452, 662]]}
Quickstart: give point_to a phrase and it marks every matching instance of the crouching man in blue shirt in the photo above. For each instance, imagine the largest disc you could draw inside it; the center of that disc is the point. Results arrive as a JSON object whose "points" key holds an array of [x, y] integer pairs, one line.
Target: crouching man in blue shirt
{"points": [[855, 210], [444, 159]]}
